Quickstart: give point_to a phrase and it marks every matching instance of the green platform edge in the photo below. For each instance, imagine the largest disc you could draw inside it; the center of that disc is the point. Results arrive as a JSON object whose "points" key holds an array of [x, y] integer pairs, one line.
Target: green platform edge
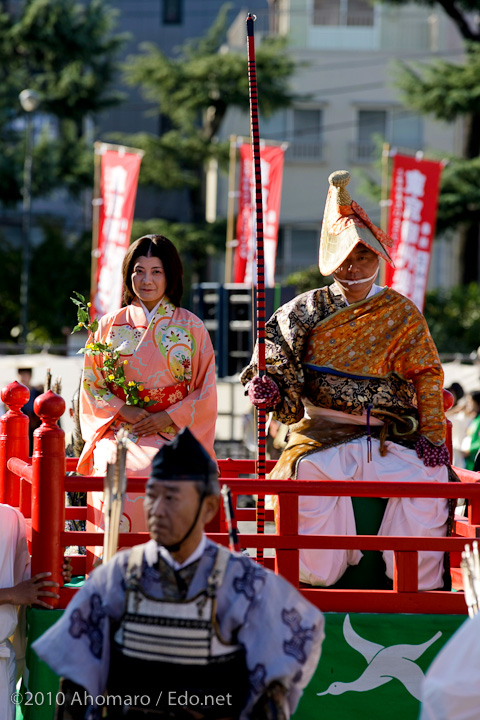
{"points": [[339, 663]]}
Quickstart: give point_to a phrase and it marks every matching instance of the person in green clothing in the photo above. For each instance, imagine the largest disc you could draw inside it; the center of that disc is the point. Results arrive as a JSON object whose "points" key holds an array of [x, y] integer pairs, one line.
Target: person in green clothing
{"points": [[471, 445]]}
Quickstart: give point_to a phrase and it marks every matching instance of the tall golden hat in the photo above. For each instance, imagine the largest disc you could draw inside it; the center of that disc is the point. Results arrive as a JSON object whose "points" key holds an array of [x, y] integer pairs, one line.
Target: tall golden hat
{"points": [[345, 224]]}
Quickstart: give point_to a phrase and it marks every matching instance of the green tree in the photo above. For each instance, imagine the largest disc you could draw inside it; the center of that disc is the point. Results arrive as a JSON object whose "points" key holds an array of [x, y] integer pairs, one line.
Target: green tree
{"points": [[453, 317], [448, 91], [60, 263], [307, 279], [65, 50], [194, 91]]}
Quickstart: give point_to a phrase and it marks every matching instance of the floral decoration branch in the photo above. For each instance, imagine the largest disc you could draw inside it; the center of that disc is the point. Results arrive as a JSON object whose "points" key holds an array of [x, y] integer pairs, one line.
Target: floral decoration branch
{"points": [[113, 367]]}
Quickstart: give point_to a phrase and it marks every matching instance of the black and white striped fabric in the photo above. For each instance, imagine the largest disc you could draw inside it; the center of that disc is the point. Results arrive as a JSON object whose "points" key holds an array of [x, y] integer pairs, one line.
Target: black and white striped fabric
{"points": [[181, 632]]}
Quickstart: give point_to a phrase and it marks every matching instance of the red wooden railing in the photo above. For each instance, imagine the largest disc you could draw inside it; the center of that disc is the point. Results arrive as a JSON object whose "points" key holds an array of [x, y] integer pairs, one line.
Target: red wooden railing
{"points": [[38, 486]]}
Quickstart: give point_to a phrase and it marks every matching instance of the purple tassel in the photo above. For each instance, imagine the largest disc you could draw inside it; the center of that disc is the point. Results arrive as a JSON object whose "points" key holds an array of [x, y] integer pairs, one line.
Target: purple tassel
{"points": [[369, 435]]}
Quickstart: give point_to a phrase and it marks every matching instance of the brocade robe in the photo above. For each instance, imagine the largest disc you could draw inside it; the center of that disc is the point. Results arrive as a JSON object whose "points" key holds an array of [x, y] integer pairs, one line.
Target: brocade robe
{"points": [[346, 372]]}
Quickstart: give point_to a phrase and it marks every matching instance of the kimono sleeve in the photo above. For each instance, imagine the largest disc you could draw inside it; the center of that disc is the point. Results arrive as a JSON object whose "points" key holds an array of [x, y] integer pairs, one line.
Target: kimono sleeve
{"points": [[417, 360], [286, 337], [77, 646], [98, 405], [282, 636], [198, 410]]}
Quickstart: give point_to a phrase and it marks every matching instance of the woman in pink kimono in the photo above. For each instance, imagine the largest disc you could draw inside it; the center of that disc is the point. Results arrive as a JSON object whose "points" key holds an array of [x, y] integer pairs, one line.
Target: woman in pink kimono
{"points": [[165, 348]]}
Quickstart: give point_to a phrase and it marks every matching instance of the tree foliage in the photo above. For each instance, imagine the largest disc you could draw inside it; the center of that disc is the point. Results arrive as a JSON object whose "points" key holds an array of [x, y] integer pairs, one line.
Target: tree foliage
{"points": [[445, 89], [453, 317], [448, 91], [64, 50], [307, 279], [60, 263], [194, 90]]}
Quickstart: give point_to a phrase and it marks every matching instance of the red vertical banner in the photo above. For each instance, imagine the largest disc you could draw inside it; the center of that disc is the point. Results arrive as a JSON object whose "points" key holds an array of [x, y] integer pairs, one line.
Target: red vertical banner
{"points": [[118, 189], [412, 219], [271, 158]]}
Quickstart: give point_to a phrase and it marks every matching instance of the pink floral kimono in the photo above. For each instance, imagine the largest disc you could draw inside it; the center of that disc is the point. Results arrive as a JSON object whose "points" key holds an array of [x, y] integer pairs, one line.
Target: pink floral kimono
{"points": [[172, 356]]}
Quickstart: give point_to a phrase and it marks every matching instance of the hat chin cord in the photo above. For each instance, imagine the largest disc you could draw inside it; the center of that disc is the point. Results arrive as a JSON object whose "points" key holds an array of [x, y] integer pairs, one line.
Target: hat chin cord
{"points": [[176, 546], [346, 283]]}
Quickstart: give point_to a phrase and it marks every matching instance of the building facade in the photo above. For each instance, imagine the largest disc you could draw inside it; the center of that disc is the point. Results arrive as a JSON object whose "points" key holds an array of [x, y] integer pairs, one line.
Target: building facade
{"points": [[347, 51]]}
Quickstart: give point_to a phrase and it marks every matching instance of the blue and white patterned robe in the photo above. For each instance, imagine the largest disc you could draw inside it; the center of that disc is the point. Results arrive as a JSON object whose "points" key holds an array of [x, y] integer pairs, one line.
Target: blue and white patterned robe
{"points": [[280, 631]]}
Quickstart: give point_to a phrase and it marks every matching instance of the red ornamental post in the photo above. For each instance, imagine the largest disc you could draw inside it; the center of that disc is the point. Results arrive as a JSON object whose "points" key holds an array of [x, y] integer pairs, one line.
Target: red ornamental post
{"points": [[13, 440], [48, 489]]}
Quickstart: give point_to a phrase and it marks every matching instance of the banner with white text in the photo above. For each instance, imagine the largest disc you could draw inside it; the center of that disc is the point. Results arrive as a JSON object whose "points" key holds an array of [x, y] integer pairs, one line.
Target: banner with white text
{"points": [[118, 189], [271, 160], [412, 219]]}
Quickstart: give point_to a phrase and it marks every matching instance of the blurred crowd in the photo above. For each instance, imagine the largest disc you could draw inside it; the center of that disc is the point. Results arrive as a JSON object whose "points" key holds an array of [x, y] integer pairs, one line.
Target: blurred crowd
{"points": [[465, 418]]}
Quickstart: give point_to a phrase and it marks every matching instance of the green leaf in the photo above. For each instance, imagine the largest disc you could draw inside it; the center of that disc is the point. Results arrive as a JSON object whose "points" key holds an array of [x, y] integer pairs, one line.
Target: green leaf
{"points": [[94, 325]]}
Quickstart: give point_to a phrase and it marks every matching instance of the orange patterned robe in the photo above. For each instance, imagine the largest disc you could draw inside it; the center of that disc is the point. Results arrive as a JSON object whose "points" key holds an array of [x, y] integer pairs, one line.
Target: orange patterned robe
{"points": [[344, 357]]}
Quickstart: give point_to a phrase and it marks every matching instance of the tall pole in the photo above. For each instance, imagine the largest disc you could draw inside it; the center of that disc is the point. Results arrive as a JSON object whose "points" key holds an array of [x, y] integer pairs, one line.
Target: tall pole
{"points": [[29, 101], [255, 135]]}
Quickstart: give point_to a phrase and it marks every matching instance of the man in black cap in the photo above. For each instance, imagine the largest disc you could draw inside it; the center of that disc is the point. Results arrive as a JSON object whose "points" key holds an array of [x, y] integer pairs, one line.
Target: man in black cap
{"points": [[180, 627]]}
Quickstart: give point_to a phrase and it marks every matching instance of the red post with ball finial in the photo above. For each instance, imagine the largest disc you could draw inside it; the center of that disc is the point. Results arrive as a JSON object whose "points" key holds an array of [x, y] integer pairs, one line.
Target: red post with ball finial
{"points": [[13, 440], [48, 489]]}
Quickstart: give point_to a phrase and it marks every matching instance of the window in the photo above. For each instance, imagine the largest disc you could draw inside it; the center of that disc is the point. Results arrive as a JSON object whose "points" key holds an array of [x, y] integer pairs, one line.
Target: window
{"points": [[353, 13], [301, 128], [406, 130], [400, 127], [172, 12], [371, 125], [306, 141]]}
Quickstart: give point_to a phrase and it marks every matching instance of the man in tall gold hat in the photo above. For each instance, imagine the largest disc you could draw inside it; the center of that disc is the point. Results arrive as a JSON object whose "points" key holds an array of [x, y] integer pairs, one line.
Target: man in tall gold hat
{"points": [[353, 370]]}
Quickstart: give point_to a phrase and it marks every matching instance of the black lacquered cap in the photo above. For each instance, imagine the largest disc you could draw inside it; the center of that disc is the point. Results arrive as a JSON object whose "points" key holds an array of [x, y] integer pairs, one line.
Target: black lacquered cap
{"points": [[183, 459]]}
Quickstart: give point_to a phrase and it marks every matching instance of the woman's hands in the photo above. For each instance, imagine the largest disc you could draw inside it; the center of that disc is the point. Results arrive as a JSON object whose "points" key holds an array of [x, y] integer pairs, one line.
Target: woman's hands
{"points": [[152, 423], [145, 423], [132, 414]]}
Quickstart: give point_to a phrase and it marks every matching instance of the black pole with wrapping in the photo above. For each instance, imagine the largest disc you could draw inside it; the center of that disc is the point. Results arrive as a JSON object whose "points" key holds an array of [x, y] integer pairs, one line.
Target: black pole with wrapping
{"points": [[260, 304]]}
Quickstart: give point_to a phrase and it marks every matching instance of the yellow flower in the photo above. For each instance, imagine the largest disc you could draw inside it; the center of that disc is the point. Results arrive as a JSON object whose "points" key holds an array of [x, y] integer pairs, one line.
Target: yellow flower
{"points": [[131, 384], [125, 362], [140, 387], [111, 377], [80, 324], [146, 398], [89, 304], [90, 346]]}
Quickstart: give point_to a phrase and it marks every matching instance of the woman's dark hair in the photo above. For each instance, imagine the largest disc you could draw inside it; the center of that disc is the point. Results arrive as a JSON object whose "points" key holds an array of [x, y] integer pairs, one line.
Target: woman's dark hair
{"points": [[156, 246]]}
